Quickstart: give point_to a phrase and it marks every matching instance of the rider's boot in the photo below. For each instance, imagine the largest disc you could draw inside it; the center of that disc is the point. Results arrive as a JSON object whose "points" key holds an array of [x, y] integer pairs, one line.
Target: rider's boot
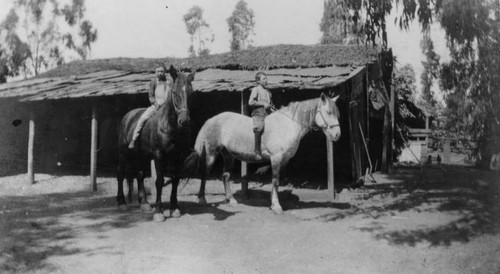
{"points": [[258, 139]]}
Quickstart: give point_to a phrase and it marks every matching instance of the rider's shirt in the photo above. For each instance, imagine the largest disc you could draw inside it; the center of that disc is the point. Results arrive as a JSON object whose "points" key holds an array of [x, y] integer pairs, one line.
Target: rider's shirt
{"points": [[161, 92], [259, 94]]}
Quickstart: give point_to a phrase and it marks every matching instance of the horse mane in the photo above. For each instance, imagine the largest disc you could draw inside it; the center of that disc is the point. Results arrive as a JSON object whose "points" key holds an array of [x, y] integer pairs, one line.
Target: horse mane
{"points": [[303, 112], [176, 94], [174, 97], [165, 108]]}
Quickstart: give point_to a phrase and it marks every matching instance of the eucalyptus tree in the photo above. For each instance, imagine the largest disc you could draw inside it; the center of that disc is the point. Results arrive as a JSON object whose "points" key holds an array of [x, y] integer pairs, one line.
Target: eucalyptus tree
{"points": [[241, 24], [199, 31], [42, 34]]}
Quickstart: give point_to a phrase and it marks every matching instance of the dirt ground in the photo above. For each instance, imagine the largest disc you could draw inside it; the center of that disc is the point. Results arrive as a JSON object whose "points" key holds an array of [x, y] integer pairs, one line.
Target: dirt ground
{"points": [[435, 220]]}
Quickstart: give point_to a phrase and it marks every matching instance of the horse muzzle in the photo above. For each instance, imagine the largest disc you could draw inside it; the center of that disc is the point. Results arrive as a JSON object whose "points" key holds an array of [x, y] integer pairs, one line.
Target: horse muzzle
{"points": [[333, 136], [183, 119]]}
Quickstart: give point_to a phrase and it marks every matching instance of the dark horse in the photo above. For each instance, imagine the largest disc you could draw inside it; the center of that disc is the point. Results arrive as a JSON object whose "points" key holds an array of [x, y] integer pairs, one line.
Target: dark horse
{"points": [[165, 138]]}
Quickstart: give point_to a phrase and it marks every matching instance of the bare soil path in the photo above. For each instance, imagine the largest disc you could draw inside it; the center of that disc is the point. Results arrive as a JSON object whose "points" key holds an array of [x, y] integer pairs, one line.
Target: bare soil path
{"points": [[439, 220]]}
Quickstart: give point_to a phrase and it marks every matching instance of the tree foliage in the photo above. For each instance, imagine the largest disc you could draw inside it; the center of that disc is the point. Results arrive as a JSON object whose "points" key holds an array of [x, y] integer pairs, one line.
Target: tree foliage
{"points": [[39, 34], [470, 79], [405, 90], [368, 17], [199, 31], [241, 24], [339, 22], [429, 74]]}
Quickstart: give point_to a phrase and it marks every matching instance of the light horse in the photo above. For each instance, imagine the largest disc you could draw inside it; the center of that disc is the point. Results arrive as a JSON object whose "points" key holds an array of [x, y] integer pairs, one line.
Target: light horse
{"points": [[230, 134], [165, 138]]}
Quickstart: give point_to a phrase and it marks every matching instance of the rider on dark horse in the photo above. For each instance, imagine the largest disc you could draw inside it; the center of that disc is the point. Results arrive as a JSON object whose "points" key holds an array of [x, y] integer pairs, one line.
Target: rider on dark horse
{"points": [[158, 92], [260, 100]]}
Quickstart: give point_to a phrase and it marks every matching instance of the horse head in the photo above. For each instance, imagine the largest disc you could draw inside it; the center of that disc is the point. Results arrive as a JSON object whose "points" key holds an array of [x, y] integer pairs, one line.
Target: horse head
{"points": [[181, 92], [327, 117]]}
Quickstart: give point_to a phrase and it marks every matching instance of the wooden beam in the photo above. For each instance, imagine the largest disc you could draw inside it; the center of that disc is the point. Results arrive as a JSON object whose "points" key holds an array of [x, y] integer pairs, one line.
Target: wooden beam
{"points": [[392, 108], [153, 171], [386, 140], [93, 148], [330, 162], [367, 98], [354, 142], [31, 143], [387, 133], [244, 183]]}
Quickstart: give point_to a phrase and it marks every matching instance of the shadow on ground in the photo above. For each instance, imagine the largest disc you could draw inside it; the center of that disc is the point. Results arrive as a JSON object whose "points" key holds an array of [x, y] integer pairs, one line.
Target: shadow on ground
{"points": [[466, 199], [288, 200], [464, 202], [37, 227]]}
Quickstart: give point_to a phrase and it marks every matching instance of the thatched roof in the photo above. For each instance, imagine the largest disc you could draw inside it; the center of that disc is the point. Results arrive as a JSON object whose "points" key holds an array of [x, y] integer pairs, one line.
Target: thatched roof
{"points": [[270, 57], [288, 66]]}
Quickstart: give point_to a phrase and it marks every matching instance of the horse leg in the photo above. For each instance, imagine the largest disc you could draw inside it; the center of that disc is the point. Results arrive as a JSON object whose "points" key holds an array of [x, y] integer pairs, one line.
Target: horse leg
{"points": [[275, 203], [174, 207], [120, 197], [130, 183], [226, 174], [158, 213], [201, 193], [206, 165], [141, 193]]}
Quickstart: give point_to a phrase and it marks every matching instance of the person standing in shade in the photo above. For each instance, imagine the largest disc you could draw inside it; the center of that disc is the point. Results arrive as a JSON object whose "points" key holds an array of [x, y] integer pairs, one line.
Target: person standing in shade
{"points": [[260, 100], [158, 92]]}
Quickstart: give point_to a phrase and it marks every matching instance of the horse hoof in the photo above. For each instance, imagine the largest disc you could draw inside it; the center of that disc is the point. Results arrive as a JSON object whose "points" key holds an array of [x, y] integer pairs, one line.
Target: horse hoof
{"points": [[122, 207], [146, 208], [277, 209], [202, 201], [175, 213], [158, 217]]}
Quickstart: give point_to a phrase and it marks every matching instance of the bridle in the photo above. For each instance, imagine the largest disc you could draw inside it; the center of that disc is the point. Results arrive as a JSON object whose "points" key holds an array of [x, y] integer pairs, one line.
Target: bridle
{"points": [[177, 109], [326, 126]]}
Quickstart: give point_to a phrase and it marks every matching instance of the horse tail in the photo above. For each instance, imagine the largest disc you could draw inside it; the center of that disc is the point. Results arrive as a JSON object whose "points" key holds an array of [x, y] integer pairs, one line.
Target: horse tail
{"points": [[192, 163], [203, 162]]}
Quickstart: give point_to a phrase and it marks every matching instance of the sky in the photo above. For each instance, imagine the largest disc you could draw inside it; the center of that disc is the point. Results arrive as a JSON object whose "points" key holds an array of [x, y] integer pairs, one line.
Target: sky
{"points": [[155, 28]]}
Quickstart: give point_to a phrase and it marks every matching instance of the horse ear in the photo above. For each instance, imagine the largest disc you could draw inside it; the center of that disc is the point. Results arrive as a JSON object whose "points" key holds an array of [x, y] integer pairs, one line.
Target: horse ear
{"points": [[191, 76], [335, 98], [173, 72], [324, 98]]}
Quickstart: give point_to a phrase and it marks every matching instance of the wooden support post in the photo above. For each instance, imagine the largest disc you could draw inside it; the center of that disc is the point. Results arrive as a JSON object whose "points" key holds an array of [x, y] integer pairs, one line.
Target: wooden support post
{"points": [[93, 148], [367, 98], [244, 183], [387, 135], [392, 108], [153, 171], [31, 143], [330, 162]]}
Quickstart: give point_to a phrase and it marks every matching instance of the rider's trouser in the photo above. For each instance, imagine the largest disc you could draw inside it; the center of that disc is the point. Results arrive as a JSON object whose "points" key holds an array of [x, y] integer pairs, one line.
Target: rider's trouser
{"points": [[258, 116]]}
